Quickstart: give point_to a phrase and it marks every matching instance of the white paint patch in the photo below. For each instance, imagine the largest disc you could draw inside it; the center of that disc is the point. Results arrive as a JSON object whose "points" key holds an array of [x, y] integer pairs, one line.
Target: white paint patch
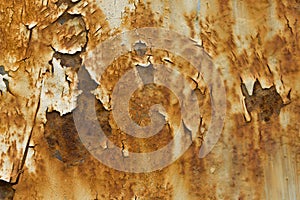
{"points": [[284, 118], [274, 66], [114, 11], [2, 83], [30, 161], [243, 26], [6, 167], [59, 91], [273, 21], [249, 83]]}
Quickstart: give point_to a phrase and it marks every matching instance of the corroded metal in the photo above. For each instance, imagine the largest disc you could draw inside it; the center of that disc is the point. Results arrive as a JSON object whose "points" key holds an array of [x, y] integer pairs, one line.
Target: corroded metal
{"points": [[254, 46]]}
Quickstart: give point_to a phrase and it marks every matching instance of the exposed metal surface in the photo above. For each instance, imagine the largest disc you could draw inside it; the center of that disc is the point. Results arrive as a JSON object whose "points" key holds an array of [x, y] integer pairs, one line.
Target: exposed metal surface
{"points": [[255, 47]]}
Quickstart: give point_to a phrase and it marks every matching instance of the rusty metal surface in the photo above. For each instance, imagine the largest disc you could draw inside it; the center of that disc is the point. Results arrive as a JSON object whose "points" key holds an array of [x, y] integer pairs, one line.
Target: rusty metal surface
{"points": [[254, 47]]}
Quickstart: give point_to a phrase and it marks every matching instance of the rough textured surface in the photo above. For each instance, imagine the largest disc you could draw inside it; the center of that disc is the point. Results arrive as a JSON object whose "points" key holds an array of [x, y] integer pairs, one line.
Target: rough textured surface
{"points": [[255, 46]]}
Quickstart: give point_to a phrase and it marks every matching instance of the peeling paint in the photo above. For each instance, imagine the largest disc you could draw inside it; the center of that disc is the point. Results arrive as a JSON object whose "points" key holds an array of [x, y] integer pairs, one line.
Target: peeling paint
{"points": [[254, 46]]}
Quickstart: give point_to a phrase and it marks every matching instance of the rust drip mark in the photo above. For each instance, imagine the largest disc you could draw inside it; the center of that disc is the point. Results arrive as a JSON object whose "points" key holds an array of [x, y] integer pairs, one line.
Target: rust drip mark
{"points": [[190, 19], [265, 101], [141, 16], [6, 190]]}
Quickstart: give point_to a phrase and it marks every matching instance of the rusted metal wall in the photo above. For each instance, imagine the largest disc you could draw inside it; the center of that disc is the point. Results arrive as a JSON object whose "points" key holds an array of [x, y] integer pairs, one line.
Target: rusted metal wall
{"points": [[254, 46]]}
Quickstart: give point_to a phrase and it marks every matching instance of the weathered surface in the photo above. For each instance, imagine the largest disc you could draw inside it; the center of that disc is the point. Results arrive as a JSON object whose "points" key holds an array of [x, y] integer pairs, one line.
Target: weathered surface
{"points": [[255, 47]]}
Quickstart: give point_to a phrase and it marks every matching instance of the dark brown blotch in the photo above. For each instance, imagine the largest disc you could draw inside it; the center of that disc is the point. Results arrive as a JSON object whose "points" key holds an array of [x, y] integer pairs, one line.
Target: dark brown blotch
{"points": [[266, 102]]}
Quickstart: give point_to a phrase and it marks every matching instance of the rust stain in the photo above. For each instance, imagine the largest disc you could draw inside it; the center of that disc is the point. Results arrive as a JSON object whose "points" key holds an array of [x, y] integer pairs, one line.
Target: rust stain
{"points": [[97, 27], [248, 40], [63, 140], [190, 20], [141, 16]]}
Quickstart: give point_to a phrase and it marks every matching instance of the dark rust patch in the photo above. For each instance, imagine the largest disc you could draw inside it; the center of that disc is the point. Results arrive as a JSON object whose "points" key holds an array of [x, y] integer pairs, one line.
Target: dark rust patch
{"points": [[63, 140], [69, 60], [6, 191], [265, 101]]}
